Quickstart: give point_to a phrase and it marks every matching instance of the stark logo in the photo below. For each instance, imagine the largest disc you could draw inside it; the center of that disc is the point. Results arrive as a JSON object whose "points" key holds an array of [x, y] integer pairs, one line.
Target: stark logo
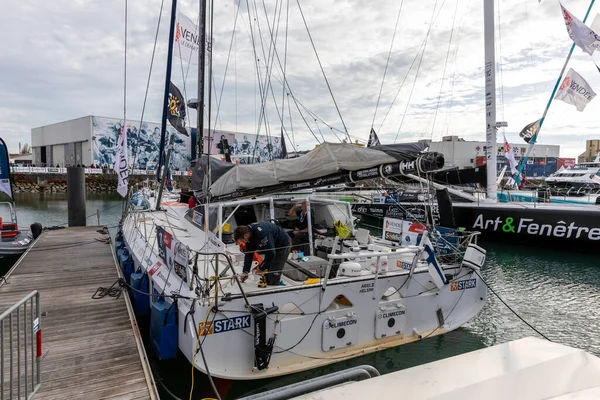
{"points": [[463, 285]]}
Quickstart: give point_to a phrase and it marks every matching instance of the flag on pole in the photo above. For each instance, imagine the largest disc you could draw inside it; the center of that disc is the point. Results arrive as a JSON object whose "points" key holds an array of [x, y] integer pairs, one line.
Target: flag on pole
{"points": [[121, 166], [437, 275], [510, 156], [373, 139], [176, 111], [575, 90], [187, 39], [584, 37], [530, 131]]}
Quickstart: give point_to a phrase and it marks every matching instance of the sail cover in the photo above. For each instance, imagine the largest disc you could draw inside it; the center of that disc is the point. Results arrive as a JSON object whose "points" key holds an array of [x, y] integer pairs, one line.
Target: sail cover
{"points": [[5, 184], [326, 159]]}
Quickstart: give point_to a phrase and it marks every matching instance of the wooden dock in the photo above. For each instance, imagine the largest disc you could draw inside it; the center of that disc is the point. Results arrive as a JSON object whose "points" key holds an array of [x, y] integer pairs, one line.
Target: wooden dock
{"points": [[94, 349]]}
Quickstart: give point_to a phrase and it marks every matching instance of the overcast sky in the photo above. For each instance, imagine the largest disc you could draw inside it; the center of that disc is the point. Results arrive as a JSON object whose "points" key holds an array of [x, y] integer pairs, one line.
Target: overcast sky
{"points": [[65, 59]]}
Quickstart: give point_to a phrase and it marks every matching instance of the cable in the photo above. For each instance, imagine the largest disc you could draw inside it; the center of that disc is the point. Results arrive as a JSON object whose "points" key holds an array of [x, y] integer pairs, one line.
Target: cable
{"points": [[322, 70], [513, 311], [387, 63]]}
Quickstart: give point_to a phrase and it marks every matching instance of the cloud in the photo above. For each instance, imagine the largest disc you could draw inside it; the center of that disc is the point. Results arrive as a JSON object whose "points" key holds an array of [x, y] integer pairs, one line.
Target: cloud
{"points": [[65, 59]]}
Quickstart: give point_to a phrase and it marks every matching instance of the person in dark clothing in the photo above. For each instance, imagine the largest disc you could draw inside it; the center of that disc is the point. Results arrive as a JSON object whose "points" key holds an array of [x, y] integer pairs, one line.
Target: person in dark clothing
{"points": [[266, 238], [300, 232]]}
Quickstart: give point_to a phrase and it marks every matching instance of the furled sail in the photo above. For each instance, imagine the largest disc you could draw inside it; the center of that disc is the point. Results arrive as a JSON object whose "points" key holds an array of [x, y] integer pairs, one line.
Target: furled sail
{"points": [[328, 164]]}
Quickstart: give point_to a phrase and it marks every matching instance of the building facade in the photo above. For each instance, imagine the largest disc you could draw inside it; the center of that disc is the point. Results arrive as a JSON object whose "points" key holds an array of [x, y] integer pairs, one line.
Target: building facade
{"points": [[592, 148], [92, 140], [460, 153]]}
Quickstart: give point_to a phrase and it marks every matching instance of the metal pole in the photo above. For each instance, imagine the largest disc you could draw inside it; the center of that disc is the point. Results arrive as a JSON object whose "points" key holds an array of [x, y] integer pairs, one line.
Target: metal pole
{"points": [[163, 125], [76, 196], [562, 71], [201, 62], [490, 97]]}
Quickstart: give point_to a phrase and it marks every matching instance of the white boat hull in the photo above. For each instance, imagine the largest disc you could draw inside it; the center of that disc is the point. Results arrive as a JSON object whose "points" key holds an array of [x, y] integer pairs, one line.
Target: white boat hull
{"points": [[310, 327]]}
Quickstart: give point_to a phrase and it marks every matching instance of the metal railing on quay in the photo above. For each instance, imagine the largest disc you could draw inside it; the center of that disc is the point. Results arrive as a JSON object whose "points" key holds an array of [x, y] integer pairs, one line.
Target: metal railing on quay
{"points": [[21, 349]]}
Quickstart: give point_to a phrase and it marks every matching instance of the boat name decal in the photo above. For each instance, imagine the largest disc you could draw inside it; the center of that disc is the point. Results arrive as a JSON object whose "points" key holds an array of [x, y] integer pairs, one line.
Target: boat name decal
{"points": [[340, 324], [392, 314], [367, 287], [463, 285], [224, 325], [529, 227]]}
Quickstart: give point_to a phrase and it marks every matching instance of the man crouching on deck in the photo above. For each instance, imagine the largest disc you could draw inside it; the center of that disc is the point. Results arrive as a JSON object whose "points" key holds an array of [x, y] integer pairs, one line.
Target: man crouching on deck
{"points": [[267, 238]]}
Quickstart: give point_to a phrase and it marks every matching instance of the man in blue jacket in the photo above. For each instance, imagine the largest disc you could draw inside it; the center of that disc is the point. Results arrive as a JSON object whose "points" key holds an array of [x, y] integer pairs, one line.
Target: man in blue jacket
{"points": [[267, 238]]}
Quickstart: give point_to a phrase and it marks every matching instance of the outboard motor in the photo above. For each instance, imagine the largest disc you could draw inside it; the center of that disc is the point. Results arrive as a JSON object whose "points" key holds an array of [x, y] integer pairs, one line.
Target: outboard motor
{"points": [[36, 229], [262, 348]]}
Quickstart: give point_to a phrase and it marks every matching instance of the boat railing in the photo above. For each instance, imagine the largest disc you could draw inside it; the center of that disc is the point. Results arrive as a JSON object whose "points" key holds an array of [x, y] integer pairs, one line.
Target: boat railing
{"points": [[21, 348]]}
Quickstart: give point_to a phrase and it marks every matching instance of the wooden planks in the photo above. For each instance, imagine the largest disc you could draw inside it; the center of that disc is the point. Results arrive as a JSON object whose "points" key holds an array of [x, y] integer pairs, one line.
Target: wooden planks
{"points": [[94, 348]]}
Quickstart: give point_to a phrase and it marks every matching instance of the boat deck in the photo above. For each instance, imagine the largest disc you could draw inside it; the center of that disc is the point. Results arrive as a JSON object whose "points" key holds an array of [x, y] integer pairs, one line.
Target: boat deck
{"points": [[93, 347]]}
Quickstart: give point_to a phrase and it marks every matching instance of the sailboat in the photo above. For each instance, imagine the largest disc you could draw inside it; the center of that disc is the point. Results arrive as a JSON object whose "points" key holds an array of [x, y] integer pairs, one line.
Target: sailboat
{"points": [[350, 295]]}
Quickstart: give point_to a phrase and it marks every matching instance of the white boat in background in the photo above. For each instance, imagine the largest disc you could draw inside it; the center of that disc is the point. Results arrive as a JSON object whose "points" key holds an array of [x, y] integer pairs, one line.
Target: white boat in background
{"points": [[524, 369]]}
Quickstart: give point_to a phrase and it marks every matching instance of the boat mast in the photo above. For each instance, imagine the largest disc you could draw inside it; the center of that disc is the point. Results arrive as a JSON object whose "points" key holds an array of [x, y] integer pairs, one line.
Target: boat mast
{"points": [[163, 123], [201, 62], [490, 98]]}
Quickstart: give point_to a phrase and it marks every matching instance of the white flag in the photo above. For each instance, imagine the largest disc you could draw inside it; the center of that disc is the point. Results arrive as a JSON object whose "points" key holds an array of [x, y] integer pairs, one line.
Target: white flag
{"points": [[510, 156], [437, 274], [583, 36], [575, 90], [187, 38], [121, 166]]}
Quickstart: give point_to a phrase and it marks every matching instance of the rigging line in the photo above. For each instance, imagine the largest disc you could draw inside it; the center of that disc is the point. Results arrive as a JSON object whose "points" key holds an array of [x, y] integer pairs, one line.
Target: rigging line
{"points": [[450, 103], [387, 63], [507, 306], [287, 19], [291, 125], [319, 129], [271, 61], [124, 127], [257, 65], [409, 69], [322, 70], [227, 63], [437, 106], [419, 65], [312, 114], [262, 112], [149, 75]]}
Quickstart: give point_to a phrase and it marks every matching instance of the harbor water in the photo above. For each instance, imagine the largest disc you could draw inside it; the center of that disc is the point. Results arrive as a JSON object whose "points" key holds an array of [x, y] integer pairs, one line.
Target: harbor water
{"points": [[555, 290]]}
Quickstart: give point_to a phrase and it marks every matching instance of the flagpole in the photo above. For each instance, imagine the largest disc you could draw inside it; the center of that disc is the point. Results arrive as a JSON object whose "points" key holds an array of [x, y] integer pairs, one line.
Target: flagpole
{"points": [[534, 138], [163, 123]]}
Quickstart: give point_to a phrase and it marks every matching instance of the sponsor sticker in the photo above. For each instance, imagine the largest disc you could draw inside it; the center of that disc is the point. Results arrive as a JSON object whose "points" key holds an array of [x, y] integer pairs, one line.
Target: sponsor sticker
{"points": [[463, 285]]}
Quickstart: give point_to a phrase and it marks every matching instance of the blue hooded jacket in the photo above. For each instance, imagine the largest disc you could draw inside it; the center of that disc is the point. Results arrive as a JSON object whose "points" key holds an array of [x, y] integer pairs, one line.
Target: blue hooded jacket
{"points": [[265, 238]]}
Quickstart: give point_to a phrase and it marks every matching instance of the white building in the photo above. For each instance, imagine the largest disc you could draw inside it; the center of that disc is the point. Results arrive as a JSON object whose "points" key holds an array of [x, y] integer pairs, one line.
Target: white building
{"points": [[461, 153], [93, 140], [63, 143]]}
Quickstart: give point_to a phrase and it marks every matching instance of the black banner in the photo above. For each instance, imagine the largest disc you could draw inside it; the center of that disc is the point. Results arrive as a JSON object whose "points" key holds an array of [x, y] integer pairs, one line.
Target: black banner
{"points": [[406, 211], [545, 225]]}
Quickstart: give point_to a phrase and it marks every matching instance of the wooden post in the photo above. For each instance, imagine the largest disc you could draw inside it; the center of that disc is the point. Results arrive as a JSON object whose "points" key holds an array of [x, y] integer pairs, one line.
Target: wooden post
{"points": [[76, 196]]}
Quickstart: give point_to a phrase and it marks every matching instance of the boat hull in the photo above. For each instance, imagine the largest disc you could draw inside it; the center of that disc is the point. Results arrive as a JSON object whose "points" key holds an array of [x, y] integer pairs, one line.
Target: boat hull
{"points": [[314, 324]]}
